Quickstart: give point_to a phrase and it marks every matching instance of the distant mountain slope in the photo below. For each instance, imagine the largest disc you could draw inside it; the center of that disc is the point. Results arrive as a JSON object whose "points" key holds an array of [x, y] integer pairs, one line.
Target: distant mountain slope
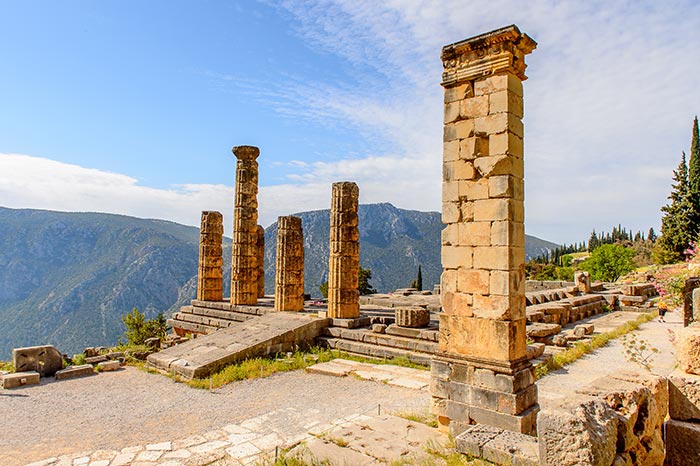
{"points": [[67, 278]]}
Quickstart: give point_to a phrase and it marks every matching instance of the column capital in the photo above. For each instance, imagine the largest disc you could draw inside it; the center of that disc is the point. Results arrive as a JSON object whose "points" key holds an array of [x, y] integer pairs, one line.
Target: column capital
{"points": [[502, 50], [246, 152]]}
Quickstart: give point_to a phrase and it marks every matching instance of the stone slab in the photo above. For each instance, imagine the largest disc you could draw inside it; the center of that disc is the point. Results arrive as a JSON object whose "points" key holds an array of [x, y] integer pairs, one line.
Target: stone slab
{"points": [[261, 336], [684, 396], [108, 366], [45, 360], [682, 440], [72, 372], [352, 323], [19, 379]]}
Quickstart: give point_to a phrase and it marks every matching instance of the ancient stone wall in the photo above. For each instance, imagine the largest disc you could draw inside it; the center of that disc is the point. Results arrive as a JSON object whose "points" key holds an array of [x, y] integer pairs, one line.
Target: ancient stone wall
{"points": [[289, 278], [210, 274], [482, 374], [344, 260], [244, 252]]}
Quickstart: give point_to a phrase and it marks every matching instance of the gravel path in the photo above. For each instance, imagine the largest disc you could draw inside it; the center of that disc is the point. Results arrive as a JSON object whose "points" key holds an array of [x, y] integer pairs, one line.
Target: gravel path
{"points": [[611, 358], [130, 407]]}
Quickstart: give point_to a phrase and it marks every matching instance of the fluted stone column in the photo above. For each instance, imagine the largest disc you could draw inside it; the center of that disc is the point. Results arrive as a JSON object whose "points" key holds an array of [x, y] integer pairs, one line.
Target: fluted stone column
{"points": [[344, 261], [289, 273], [210, 275], [260, 245], [244, 255], [481, 374]]}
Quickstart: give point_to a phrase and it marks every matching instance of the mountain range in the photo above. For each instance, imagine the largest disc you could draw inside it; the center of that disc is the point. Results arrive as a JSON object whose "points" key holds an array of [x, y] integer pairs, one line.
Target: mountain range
{"points": [[67, 278]]}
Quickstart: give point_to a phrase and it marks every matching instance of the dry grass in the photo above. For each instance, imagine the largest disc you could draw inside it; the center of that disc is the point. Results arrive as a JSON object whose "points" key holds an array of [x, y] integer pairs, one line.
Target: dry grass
{"points": [[6, 366]]}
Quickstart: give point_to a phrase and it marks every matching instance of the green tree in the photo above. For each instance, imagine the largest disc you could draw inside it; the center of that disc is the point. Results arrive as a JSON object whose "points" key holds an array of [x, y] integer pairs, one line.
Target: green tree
{"points": [[323, 288], [651, 236], [138, 329], [364, 286], [676, 223], [593, 241], [694, 178], [418, 282], [609, 261]]}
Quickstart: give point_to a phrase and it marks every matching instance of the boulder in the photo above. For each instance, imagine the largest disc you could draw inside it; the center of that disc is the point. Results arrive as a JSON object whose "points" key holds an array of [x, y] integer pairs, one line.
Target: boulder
{"points": [[684, 396], [45, 360], [688, 349]]}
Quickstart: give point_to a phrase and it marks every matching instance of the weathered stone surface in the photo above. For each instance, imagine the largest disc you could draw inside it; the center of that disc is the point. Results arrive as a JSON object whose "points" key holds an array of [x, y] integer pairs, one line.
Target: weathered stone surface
{"points": [[412, 317], [108, 366], [682, 440], [539, 330], [19, 379], [210, 278], [72, 372], [260, 245], [45, 360], [690, 284], [684, 396], [244, 251], [272, 333], [535, 350], [344, 259], [582, 280], [612, 419], [289, 272], [96, 359], [688, 349]]}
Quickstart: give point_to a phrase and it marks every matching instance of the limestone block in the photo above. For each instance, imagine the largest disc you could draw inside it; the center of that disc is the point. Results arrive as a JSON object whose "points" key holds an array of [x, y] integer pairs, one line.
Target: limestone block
{"points": [[688, 349], [19, 379], [696, 305], [498, 209], [540, 330], [506, 101], [684, 396], [499, 258], [497, 83], [458, 93], [473, 281], [580, 431], [107, 366], [582, 280], [507, 283], [72, 372], [451, 111], [456, 303], [507, 233], [506, 143], [451, 151], [464, 129], [451, 212], [412, 317], [485, 338], [499, 307], [472, 147], [45, 360], [474, 107], [682, 440], [456, 256]]}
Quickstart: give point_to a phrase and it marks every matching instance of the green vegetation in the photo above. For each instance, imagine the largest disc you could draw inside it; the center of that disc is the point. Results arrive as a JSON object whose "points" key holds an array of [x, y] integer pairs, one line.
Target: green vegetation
{"points": [[609, 262], [6, 366], [78, 359], [364, 286], [429, 420], [580, 349], [418, 282], [138, 329]]}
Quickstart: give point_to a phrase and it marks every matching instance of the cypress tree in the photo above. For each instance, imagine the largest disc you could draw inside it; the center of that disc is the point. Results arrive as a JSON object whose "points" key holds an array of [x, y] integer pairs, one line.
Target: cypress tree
{"points": [[419, 279], [694, 178], [676, 223]]}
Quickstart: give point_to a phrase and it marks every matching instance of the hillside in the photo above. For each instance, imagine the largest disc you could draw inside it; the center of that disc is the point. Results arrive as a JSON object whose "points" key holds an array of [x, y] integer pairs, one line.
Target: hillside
{"points": [[67, 278]]}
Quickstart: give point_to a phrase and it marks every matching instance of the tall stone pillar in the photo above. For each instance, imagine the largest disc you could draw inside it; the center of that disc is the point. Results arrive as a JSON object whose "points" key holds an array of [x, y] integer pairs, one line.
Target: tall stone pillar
{"points": [[481, 374], [344, 261], [260, 245], [210, 274], [244, 255], [289, 273]]}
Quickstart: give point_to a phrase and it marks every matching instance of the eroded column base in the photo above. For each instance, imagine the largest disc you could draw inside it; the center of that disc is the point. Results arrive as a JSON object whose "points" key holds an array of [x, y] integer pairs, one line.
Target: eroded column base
{"points": [[468, 391]]}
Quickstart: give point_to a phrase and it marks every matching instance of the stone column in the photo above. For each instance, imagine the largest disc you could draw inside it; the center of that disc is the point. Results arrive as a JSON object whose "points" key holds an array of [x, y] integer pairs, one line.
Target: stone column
{"points": [[244, 261], [289, 273], [210, 274], [481, 374], [260, 245], [344, 260]]}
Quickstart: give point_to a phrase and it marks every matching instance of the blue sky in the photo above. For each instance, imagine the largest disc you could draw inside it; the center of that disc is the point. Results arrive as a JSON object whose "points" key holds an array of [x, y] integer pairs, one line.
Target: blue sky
{"points": [[132, 107]]}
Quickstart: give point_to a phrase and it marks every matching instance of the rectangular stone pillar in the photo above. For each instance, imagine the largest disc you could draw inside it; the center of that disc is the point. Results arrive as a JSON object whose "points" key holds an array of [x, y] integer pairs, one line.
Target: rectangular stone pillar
{"points": [[289, 271], [481, 373], [260, 245], [344, 260], [210, 274], [244, 252]]}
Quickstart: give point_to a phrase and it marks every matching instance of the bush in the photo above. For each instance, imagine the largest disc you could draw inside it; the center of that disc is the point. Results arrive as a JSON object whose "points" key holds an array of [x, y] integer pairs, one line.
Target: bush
{"points": [[608, 262], [138, 329]]}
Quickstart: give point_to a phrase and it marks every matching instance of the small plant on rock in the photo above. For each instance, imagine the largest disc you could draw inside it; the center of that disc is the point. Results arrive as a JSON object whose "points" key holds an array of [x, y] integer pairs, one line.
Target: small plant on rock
{"points": [[638, 350]]}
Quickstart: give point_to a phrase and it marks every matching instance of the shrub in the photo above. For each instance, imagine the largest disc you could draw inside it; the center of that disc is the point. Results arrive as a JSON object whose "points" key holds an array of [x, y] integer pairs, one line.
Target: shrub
{"points": [[138, 329]]}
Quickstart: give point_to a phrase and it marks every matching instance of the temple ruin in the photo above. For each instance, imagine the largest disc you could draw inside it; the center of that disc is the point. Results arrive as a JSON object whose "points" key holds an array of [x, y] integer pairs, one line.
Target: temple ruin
{"points": [[289, 278], [210, 273], [260, 246], [344, 259], [244, 250]]}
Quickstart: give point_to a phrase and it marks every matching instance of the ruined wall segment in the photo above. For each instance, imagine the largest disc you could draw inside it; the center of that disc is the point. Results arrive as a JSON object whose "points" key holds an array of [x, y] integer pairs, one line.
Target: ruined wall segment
{"points": [[210, 274], [344, 260], [244, 261], [289, 278], [481, 374]]}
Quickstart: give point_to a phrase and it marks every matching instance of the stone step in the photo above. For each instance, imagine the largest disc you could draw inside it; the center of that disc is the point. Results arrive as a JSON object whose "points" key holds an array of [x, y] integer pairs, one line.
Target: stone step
{"points": [[381, 339], [260, 336], [372, 350], [211, 321]]}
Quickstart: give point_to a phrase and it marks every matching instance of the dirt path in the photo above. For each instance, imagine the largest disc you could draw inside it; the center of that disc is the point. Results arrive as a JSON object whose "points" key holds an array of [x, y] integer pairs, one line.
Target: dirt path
{"points": [[129, 407]]}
